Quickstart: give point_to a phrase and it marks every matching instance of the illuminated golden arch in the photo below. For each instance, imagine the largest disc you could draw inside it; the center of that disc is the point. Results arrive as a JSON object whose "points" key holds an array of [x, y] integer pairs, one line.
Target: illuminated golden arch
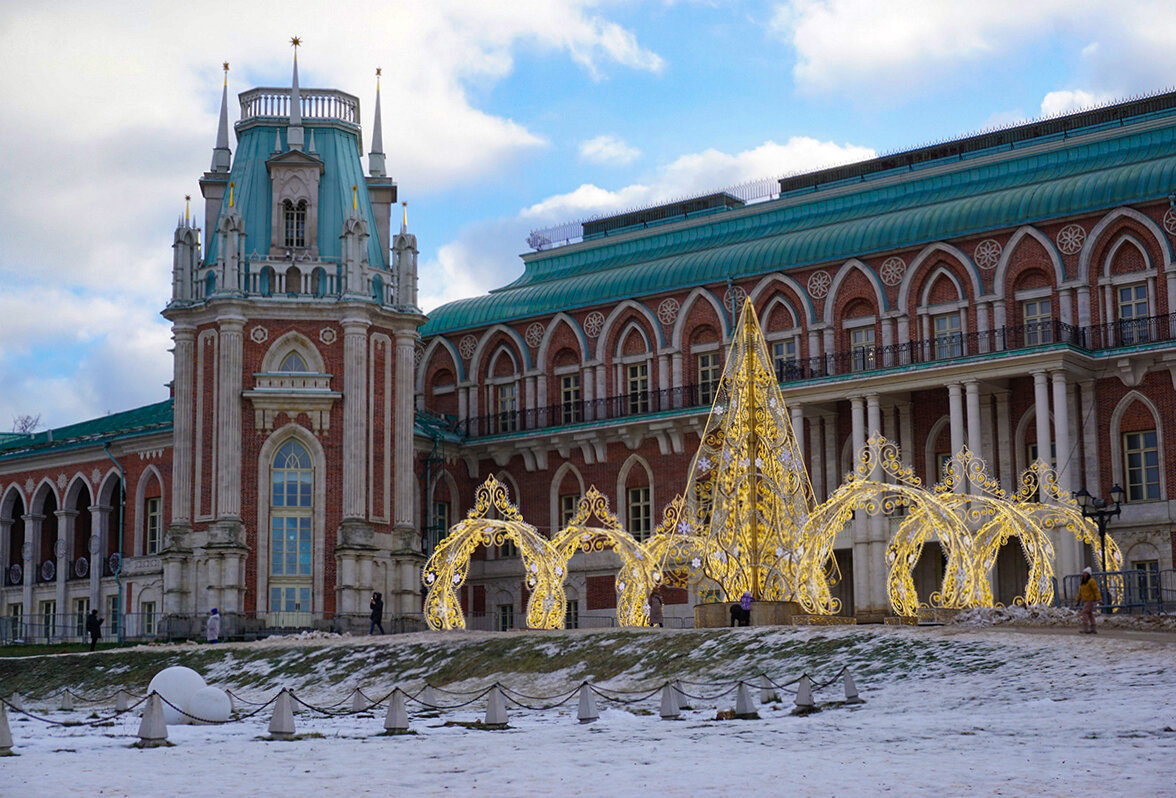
{"points": [[640, 573], [447, 568]]}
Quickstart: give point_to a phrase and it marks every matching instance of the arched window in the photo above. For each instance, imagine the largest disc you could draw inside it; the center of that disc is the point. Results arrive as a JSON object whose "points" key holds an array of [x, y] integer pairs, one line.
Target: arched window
{"points": [[210, 283], [295, 218], [291, 546], [294, 362]]}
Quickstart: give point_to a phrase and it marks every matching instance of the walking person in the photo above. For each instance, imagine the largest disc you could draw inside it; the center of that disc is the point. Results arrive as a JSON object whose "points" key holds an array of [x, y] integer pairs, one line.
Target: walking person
{"points": [[94, 628], [377, 605], [656, 616], [212, 630], [1088, 596]]}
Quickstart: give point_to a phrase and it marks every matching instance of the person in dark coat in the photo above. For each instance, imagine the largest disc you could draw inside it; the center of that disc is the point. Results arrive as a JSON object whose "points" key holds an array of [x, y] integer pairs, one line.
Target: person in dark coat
{"points": [[377, 605], [94, 628], [656, 614]]}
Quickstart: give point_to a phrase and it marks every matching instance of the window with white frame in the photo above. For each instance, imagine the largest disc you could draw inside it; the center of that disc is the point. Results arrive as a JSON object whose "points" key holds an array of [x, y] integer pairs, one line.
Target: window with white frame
{"points": [[506, 406], [862, 348], [949, 342], [709, 372], [1037, 320], [1148, 578], [508, 550], [505, 617], [570, 409], [567, 508], [784, 359], [640, 516], [572, 614], [1141, 458], [147, 617], [49, 618], [81, 610], [293, 363], [637, 387], [152, 519], [294, 217], [15, 616], [113, 613], [440, 525], [291, 543], [1031, 453], [1133, 310], [941, 461]]}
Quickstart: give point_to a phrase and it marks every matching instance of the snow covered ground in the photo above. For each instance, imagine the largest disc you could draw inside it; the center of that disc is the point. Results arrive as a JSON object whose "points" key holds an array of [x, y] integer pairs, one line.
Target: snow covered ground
{"points": [[979, 712]]}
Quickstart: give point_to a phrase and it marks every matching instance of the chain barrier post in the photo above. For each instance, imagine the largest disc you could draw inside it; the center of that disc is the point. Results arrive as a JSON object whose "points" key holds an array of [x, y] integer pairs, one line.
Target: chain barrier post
{"points": [[429, 697], [768, 693], [281, 725], [67, 702], [152, 728], [804, 697], [396, 721], [496, 709], [17, 702], [851, 691], [744, 709], [358, 704], [121, 702], [5, 733], [587, 711], [680, 696], [669, 703]]}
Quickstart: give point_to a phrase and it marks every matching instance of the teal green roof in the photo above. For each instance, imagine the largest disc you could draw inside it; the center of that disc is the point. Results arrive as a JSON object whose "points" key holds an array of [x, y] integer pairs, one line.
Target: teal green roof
{"points": [[1023, 188], [338, 149], [140, 421]]}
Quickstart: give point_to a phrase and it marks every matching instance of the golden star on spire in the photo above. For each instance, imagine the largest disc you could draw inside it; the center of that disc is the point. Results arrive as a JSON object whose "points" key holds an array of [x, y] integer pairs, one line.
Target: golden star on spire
{"points": [[296, 40], [226, 65], [378, 72]]}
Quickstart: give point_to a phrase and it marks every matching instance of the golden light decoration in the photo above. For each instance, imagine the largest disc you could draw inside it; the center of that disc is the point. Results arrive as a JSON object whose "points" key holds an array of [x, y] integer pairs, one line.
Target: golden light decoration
{"points": [[747, 520]]}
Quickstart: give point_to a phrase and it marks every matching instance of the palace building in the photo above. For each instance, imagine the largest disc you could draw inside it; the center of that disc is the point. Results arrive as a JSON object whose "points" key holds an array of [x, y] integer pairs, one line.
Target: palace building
{"points": [[1013, 291]]}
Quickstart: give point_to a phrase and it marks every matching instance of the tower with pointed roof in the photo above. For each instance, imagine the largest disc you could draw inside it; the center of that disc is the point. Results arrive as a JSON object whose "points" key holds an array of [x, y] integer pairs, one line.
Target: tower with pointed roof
{"points": [[295, 334]]}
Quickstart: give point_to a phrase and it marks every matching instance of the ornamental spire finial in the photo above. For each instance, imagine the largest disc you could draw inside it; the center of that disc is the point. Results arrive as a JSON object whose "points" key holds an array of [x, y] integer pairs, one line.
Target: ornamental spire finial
{"points": [[221, 155], [376, 156], [294, 137]]}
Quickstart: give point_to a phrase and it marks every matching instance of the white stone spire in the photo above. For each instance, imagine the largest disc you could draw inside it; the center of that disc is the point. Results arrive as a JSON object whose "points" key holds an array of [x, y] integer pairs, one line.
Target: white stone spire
{"points": [[294, 137], [376, 156], [221, 156]]}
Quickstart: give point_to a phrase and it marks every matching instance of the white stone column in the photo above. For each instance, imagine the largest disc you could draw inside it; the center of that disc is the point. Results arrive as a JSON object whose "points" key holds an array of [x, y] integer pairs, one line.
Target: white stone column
{"points": [[798, 428], [985, 344], [862, 567], [402, 468], [664, 375], [877, 524], [1090, 438], [1084, 306], [956, 409], [1041, 410], [816, 445], [65, 530], [1067, 554], [182, 418], [99, 528], [355, 415], [906, 433], [228, 434], [1006, 435], [32, 543], [975, 443], [832, 455], [1065, 306]]}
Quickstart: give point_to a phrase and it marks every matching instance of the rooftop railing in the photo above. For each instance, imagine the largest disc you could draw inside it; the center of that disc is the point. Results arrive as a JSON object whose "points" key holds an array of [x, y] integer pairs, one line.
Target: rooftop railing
{"points": [[862, 360], [267, 103]]}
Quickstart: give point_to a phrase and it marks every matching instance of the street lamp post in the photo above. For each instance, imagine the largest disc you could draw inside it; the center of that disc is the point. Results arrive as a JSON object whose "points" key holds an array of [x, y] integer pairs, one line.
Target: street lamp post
{"points": [[1102, 513]]}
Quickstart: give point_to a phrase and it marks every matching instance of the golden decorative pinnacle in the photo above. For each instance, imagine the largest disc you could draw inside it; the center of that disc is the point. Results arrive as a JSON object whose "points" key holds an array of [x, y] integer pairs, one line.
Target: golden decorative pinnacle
{"points": [[226, 66], [295, 40], [378, 72]]}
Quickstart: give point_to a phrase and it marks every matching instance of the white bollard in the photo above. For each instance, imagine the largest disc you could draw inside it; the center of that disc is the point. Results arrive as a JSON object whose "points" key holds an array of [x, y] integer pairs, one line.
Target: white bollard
{"points": [[428, 697], [152, 728], [358, 702], [396, 721], [495, 709], [804, 697], [768, 693], [680, 696], [67, 702], [17, 702], [744, 709], [851, 691], [669, 703], [121, 702], [5, 732], [281, 725], [587, 711]]}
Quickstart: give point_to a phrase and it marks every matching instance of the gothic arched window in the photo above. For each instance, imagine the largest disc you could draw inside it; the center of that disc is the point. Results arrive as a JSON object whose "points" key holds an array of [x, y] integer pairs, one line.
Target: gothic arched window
{"points": [[293, 362], [291, 539]]}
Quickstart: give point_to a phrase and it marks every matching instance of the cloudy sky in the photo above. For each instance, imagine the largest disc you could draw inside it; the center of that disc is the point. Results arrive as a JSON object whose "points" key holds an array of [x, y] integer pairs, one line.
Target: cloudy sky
{"points": [[498, 118]]}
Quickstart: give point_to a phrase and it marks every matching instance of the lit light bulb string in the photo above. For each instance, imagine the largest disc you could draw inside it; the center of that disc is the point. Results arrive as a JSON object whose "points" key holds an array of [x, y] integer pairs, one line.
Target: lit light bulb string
{"points": [[748, 521]]}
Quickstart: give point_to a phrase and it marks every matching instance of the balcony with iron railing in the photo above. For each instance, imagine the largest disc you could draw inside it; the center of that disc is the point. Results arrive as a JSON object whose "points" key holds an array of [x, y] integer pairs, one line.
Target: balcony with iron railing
{"points": [[860, 361]]}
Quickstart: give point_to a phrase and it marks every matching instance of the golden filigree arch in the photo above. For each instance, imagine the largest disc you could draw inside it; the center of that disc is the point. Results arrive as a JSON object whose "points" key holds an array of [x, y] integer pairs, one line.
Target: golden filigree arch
{"points": [[447, 568]]}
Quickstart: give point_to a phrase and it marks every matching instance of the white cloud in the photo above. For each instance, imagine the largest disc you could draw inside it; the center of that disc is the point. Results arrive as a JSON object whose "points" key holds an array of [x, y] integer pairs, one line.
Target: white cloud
{"points": [[608, 150], [1065, 101], [485, 254], [874, 49], [110, 113]]}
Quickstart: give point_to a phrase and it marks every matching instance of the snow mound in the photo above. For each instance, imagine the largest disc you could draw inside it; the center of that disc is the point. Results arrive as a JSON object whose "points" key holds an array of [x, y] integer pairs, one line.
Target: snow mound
{"points": [[1041, 615]]}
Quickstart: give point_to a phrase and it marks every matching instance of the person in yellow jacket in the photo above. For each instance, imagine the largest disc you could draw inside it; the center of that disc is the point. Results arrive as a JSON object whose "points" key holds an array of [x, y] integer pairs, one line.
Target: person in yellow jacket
{"points": [[1088, 596]]}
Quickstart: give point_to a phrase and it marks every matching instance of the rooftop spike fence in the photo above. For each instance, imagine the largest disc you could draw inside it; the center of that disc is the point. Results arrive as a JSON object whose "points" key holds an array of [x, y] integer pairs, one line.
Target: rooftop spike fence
{"points": [[747, 520]]}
